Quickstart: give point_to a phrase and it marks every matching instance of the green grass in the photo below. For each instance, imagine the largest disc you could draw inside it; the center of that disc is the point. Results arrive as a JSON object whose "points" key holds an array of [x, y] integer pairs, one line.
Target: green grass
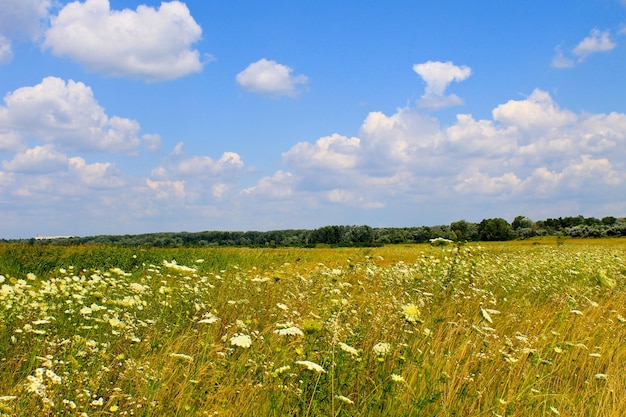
{"points": [[526, 328]]}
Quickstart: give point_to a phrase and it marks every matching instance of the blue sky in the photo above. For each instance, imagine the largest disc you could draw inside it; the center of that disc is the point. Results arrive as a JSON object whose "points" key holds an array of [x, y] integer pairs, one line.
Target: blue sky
{"points": [[144, 116]]}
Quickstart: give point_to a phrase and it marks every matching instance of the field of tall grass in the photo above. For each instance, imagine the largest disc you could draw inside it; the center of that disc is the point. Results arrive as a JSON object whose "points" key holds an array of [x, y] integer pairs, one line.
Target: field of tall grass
{"points": [[530, 328]]}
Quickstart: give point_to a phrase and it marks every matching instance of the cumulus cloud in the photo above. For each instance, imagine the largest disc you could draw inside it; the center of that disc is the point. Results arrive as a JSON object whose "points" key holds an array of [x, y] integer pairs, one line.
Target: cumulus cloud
{"points": [[529, 149], [63, 171], [597, 41], [153, 44], [480, 137], [400, 139], [67, 114], [95, 175], [536, 113], [335, 151], [40, 159], [438, 76], [270, 77]]}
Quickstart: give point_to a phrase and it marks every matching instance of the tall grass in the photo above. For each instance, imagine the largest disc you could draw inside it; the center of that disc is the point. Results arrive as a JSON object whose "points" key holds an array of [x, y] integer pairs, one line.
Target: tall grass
{"points": [[509, 329]]}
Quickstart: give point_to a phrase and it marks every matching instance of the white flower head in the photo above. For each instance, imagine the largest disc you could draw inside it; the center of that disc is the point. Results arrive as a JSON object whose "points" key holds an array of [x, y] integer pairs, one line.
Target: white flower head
{"points": [[289, 331], [241, 340], [381, 348], [312, 366], [349, 349]]}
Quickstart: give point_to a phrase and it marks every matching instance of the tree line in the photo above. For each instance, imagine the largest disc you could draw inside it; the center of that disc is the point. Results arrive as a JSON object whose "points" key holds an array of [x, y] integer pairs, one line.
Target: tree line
{"points": [[494, 229]]}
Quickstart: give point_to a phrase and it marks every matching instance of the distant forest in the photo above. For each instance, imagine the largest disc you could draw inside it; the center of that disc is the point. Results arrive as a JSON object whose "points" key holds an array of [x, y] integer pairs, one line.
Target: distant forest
{"points": [[496, 229]]}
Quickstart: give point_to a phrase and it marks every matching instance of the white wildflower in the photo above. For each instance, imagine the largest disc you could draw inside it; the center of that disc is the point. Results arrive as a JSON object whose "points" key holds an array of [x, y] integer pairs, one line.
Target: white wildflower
{"points": [[208, 318], [312, 366], [137, 288], [289, 331], [348, 348], [241, 340], [174, 265], [381, 348]]}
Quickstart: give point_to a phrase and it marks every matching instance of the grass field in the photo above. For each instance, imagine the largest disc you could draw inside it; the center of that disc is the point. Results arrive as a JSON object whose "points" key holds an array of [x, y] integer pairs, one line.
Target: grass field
{"points": [[528, 328]]}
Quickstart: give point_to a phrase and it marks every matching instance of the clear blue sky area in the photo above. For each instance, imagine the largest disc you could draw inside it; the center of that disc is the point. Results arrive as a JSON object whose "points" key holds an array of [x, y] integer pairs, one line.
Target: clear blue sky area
{"points": [[146, 116]]}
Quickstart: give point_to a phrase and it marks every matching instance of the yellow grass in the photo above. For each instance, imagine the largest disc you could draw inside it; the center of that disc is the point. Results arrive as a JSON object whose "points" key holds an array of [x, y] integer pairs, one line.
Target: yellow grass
{"points": [[526, 328]]}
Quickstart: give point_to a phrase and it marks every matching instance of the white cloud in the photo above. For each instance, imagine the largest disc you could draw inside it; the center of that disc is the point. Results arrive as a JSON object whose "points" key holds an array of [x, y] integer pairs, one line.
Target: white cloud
{"points": [[270, 77], [438, 76], [148, 43], [476, 182], [335, 151], [597, 41], [67, 114], [96, 175], [197, 180], [279, 185], [536, 113], [167, 190], [482, 137], [530, 149], [205, 165], [40, 159], [10, 141], [402, 138]]}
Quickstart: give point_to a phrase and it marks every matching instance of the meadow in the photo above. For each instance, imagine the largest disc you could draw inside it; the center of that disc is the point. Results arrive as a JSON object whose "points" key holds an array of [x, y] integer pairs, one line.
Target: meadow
{"points": [[525, 328]]}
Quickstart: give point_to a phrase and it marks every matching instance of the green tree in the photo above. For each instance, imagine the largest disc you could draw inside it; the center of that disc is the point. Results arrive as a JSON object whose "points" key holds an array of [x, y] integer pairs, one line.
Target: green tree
{"points": [[495, 229]]}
